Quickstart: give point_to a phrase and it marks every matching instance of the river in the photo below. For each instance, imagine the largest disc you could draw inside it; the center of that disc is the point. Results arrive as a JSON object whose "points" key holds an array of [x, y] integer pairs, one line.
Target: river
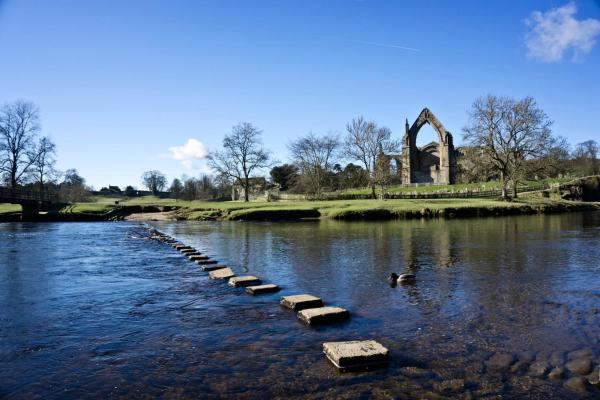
{"points": [[92, 310]]}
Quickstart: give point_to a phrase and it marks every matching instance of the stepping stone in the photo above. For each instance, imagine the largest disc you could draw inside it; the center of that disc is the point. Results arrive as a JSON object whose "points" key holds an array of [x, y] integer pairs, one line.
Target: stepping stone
{"points": [[323, 315], [301, 301], [246, 280], [221, 273], [356, 355], [205, 262], [197, 257], [189, 251], [181, 246], [260, 289], [213, 267], [195, 254]]}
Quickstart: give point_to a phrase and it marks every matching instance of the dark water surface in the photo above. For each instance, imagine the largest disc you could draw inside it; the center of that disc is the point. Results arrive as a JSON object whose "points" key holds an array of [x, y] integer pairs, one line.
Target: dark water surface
{"points": [[89, 310]]}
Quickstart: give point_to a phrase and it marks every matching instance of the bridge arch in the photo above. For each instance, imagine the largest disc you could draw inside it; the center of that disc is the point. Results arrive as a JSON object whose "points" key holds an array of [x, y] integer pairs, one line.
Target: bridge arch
{"points": [[31, 201]]}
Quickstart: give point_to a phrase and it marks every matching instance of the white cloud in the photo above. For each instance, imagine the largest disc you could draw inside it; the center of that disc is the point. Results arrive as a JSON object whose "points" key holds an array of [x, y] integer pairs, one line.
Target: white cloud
{"points": [[193, 150], [556, 32]]}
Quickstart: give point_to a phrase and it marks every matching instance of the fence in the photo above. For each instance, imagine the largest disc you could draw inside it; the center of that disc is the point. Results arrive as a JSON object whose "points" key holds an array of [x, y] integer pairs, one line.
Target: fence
{"points": [[458, 194]]}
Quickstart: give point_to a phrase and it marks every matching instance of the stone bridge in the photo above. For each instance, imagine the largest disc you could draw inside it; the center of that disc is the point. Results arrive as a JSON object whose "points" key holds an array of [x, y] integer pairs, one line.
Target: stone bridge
{"points": [[32, 201]]}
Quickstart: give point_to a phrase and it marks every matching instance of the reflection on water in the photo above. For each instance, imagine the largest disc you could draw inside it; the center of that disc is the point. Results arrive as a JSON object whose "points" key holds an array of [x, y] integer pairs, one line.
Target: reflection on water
{"points": [[89, 310]]}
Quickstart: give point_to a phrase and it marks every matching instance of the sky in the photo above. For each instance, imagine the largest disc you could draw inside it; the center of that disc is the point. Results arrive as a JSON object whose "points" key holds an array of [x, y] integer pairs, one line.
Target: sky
{"points": [[129, 86]]}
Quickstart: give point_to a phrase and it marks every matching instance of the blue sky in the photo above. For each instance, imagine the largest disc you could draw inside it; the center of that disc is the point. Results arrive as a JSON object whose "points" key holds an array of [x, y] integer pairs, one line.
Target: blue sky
{"points": [[119, 83]]}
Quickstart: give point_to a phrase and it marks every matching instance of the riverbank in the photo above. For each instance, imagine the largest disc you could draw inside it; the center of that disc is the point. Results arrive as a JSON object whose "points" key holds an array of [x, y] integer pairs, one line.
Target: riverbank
{"points": [[151, 208]]}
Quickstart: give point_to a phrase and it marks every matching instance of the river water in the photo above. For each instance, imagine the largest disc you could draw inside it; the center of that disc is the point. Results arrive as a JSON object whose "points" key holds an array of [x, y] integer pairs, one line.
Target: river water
{"points": [[90, 310]]}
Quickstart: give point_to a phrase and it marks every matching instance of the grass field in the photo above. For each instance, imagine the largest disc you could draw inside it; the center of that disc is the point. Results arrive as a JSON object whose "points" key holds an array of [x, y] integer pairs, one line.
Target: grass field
{"points": [[9, 208], [114, 207]]}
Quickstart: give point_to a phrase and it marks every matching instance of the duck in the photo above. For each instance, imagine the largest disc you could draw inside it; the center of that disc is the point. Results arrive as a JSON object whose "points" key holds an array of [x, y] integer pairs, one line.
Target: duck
{"points": [[393, 278], [407, 278]]}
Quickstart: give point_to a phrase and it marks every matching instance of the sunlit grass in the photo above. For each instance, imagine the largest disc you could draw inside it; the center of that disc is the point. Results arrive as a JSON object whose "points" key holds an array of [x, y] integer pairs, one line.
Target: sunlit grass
{"points": [[6, 208]]}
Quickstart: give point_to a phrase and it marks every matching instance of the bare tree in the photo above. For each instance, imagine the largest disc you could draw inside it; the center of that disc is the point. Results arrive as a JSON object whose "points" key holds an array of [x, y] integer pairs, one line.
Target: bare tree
{"points": [[155, 181], [43, 167], [365, 141], [315, 156], [510, 133], [382, 173], [19, 127], [242, 155], [586, 156]]}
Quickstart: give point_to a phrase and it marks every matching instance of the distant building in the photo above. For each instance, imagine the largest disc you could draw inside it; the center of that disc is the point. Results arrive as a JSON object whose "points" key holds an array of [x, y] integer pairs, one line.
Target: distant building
{"points": [[260, 189]]}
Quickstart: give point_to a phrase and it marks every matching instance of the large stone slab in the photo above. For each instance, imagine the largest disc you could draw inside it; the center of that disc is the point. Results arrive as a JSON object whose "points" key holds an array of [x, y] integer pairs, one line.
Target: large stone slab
{"points": [[205, 262], [191, 250], [212, 267], [260, 289], [246, 280], [356, 354], [323, 315], [301, 301], [222, 273]]}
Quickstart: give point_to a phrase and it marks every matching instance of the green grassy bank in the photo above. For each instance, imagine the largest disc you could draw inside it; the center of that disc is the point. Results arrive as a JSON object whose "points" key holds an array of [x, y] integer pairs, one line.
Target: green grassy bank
{"points": [[106, 208], [379, 209]]}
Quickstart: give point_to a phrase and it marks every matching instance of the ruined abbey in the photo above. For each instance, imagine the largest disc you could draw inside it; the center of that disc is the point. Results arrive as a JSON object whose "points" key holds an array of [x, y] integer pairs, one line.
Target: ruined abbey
{"points": [[432, 163]]}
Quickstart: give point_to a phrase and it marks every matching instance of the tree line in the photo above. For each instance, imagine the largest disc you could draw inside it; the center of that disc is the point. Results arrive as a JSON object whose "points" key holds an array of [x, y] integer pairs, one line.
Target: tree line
{"points": [[505, 139], [28, 158], [316, 159]]}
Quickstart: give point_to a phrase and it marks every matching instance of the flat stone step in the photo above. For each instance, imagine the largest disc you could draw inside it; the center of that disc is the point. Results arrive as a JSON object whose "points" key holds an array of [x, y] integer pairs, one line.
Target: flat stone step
{"points": [[205, 262], [356, 354], [323, 315], [246, 280], [181, 246], [189, 251], [260, 289], [212, 267], [198, 257], [161, 238], [222, 273], [301, 301]]}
